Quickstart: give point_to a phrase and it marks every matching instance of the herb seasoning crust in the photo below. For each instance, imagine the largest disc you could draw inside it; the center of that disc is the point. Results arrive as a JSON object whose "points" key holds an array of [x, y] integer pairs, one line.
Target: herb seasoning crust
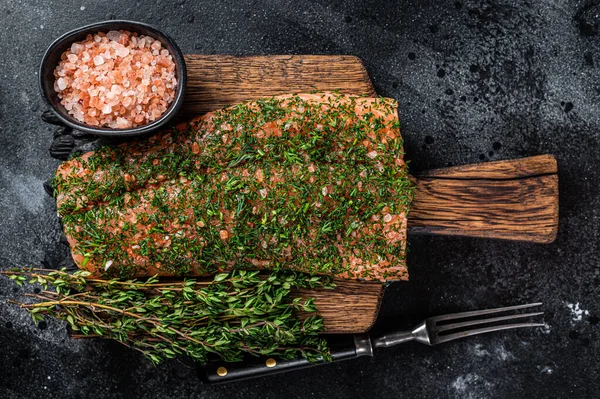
{"points": [[308, 182]]}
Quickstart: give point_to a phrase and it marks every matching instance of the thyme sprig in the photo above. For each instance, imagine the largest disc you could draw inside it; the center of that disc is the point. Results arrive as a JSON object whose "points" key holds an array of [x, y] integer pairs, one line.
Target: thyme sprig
{"points": [[232, 314]]}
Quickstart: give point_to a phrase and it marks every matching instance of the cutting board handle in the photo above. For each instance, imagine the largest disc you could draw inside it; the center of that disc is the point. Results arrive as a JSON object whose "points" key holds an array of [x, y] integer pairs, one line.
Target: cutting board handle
{"points": [[513, 200]]}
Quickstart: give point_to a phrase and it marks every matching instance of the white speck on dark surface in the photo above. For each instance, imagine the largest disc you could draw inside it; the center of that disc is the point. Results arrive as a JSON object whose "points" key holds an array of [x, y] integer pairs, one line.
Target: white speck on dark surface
{"points": [[471, 386], [577, 313], [479, 351], [546, 329], [502, 353]]}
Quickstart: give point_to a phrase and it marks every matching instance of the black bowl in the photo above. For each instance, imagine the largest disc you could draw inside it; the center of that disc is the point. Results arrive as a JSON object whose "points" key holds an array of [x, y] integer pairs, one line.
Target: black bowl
{"points": [[60, 45]]}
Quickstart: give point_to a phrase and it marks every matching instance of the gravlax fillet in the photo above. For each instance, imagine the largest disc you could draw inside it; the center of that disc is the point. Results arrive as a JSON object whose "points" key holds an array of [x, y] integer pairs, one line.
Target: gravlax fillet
{"points": [[309, 182]]}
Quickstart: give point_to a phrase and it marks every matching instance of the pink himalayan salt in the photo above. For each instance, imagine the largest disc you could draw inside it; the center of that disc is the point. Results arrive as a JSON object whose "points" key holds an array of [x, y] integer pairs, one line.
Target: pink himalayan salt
{"points": [[113, 35], [77, 48], [62, 84], [118, 80], [98, 60], [122, 52]]}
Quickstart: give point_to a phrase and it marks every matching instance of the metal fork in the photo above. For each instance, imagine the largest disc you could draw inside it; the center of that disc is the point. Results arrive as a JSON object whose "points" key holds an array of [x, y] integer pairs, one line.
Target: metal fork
{"points": [[431, 331], [438, 329]]}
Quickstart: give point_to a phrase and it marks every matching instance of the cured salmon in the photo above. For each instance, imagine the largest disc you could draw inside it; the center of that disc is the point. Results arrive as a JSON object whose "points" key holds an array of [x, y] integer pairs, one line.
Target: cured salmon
{"points": [[308, 182]]}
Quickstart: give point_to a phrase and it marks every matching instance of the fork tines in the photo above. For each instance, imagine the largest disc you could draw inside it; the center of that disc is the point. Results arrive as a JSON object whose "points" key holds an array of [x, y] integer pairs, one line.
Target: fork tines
{"points": [[446, 323]]}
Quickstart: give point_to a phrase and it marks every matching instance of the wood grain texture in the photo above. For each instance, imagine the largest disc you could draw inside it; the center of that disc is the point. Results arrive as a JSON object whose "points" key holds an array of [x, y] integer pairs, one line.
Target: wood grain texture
{"points": [[512, 200], [512, 169], [351, 307], [215, 81]]}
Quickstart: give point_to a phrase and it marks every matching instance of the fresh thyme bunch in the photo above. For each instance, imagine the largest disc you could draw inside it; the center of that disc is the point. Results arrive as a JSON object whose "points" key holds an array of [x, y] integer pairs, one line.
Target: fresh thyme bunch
{"points": [[235, 313]]}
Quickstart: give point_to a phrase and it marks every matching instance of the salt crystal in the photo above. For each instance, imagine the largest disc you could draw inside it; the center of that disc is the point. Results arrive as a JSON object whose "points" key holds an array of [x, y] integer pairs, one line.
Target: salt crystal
{"points": [[97, 39], [98, 60], [122, 52], [123, 123], [76, 48], [156, 45], [113, 35], [61, 83], [106, 109], [116, 89], [107, 265]]}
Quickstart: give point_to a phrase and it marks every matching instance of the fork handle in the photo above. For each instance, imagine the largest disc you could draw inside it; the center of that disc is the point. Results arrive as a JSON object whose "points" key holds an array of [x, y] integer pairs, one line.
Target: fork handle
{"points": [[220, 372]]}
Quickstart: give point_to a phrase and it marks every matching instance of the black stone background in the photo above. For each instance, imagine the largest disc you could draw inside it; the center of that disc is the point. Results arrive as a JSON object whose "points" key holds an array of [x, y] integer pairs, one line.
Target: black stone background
{"points": [[477, 80]]}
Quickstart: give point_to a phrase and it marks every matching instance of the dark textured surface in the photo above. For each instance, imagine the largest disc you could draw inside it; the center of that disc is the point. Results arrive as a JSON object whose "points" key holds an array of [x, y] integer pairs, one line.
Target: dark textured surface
{"points": [[476, 80]]}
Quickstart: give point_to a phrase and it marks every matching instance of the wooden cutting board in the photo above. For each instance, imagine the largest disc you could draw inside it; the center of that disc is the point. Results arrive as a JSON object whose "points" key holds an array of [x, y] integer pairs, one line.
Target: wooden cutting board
{"points": [[513, 199]]}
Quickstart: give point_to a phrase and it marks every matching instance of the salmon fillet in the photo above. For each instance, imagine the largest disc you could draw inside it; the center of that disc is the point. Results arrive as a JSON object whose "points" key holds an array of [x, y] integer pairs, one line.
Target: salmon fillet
{"points": [[309, 182]]}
